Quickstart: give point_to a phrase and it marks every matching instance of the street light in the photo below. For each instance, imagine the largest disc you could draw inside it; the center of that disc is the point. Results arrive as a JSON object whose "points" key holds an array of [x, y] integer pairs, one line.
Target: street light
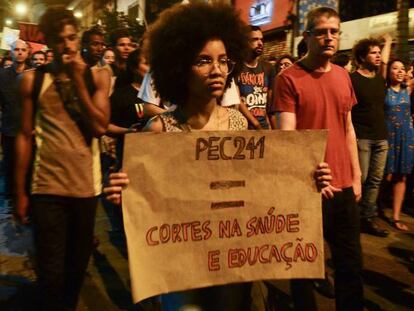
{"points": [[78, 14], [21, 9]]}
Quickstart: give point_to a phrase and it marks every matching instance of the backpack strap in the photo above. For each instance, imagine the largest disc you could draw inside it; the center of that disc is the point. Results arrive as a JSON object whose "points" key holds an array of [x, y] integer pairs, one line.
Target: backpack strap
{"points": [[39, 75]]}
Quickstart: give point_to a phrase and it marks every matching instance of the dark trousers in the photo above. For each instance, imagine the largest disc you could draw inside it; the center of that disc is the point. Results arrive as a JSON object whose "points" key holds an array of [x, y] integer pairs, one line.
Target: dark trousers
{"points": [[8, 147], [341, 226], [63, 232]]}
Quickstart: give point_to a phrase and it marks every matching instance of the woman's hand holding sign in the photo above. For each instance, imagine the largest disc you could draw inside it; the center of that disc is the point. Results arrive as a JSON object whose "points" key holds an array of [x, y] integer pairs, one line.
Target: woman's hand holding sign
{"points": [[119, 181]]}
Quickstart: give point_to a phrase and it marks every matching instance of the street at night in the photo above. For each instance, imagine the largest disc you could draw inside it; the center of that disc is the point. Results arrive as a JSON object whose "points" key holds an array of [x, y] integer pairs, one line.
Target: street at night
{"points": [[388, 272], [207, 155]]}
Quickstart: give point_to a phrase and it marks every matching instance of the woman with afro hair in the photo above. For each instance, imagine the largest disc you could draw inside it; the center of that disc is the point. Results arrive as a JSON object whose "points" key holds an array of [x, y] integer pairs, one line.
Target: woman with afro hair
{"points": [[194, 52]]}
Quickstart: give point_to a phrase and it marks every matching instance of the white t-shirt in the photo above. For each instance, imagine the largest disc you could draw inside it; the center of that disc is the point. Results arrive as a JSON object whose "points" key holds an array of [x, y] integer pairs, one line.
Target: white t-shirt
{"points": [[231, 96]]}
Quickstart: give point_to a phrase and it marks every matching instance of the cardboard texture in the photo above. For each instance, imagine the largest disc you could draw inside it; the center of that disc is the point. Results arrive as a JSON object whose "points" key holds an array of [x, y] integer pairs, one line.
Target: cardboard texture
{"points": [[210, 208]]}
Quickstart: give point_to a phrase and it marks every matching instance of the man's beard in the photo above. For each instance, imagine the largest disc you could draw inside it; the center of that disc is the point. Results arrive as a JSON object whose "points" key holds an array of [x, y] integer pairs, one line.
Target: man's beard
{"points": [[257, 52]]}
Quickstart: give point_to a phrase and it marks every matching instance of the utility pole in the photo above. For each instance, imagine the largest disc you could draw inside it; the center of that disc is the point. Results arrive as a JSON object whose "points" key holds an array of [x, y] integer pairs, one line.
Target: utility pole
{"points": [[403, 7]]}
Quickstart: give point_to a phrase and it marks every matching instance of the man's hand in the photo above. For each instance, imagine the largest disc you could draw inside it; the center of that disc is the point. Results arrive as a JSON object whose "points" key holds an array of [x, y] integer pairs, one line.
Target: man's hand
{"points": [[323, 177], [329, 192], [356, 186], [75, 64], [258, 126], [113, 191], [21, 206]]}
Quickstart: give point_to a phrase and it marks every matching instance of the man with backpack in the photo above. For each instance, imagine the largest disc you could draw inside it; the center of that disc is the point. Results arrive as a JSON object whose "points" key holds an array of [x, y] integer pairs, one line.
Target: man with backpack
{"points": [[66, 104]]}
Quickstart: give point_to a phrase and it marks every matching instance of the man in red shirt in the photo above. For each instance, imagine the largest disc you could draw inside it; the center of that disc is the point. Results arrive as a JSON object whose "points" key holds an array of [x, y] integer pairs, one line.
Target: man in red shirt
{"points": [[316, 94]]}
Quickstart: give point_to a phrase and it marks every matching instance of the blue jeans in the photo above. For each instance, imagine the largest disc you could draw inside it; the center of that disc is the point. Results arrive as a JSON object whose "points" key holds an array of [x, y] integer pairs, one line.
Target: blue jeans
{"points": [[372, 159]]}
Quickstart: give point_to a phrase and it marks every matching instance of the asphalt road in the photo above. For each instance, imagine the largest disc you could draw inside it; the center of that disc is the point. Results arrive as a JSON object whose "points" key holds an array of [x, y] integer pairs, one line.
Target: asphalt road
{"points": [[388, 268]]}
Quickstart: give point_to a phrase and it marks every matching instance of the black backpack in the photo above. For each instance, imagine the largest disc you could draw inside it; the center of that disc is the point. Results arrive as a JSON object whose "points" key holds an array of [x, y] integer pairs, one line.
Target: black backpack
{"points": [[40, 74], [37, 87]]}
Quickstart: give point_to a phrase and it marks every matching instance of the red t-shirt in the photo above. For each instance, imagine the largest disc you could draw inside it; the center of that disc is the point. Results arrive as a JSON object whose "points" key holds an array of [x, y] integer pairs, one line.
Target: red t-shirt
{"points": [[320, 100]]}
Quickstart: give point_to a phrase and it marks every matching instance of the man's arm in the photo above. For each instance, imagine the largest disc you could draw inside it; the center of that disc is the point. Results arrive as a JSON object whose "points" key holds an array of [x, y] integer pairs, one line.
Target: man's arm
{"points": [[353, 152], [152, 110], [245, 111], [271, 117], [96, 108], [23, 146], [273, 121], [385, 54], [287, 121], [115, 130], [322, 174]]}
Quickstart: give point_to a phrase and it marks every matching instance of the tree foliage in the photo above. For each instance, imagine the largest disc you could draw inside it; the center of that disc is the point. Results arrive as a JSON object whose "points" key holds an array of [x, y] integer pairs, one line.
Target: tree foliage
{"points": [[353, 9], [155, 7], [112, 21], [403, 48], [5, 11]]}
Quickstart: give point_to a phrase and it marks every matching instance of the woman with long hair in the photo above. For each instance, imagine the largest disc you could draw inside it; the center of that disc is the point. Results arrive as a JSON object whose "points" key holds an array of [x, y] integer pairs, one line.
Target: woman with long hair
{"points": [[400, 157], [108, 57]]}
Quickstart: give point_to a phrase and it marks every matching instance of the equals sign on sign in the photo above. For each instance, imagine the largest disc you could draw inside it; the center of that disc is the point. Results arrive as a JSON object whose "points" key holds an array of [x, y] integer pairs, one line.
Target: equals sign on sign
{"points": [[223, 185]]}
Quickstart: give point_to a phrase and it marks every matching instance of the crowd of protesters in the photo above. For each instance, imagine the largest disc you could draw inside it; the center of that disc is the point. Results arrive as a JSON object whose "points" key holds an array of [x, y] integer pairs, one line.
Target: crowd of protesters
{"points": [[65, 112]]}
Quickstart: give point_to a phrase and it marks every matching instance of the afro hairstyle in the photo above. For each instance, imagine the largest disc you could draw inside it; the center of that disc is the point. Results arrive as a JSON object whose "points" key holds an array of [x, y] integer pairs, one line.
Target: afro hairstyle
{"points": [[180, 33]]}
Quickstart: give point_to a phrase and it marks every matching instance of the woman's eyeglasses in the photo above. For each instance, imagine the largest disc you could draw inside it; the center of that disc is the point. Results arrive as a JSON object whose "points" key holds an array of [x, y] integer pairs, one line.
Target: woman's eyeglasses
{"points": [[205, 65]]}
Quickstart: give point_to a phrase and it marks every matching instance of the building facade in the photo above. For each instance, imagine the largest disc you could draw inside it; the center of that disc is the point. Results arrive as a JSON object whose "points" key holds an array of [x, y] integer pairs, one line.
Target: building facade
{"points": [[274, 17]]}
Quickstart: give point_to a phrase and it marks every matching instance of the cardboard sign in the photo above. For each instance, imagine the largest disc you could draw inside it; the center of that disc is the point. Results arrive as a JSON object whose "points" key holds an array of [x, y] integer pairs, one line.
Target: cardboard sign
{"points": [[210, 208], [9, 36]]}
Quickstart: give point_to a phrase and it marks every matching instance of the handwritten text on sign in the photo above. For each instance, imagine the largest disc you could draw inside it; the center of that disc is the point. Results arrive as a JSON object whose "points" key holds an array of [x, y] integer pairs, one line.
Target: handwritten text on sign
{"points": [[209, 208]]}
